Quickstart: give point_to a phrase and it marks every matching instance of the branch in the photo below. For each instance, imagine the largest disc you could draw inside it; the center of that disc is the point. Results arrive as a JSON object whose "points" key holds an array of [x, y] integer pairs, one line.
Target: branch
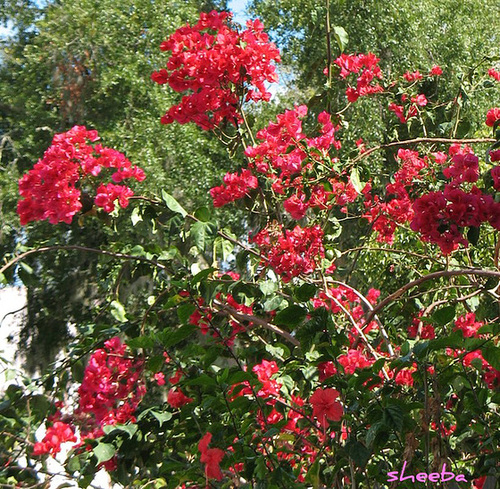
{"points": [[421, 140], [365, 301], [44, 249], [426, 278], [223, 308]]}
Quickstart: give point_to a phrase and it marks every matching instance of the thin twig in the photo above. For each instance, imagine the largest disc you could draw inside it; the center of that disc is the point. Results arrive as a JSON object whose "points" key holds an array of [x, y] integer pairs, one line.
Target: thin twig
{"points": [[45, 249]]}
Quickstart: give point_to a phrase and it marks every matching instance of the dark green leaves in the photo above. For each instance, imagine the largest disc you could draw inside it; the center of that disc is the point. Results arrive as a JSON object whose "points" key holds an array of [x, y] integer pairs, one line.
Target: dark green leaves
{"points": [[290, 316]]}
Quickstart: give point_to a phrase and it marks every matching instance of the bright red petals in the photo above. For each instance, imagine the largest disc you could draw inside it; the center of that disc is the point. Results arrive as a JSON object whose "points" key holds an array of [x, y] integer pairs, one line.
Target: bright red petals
{"points": [[211, 457], [291, 253], [176, 398], [51, 190], [216, 63], [494, 74], [111, 389], [325, 406], [235, 187], [367, 67], [56, 434], [492, 116]]}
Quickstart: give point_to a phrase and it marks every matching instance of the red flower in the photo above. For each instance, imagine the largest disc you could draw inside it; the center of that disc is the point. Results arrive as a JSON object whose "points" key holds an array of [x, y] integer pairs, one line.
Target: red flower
{"points": [[325, 405], [58, 433], [160, 378], [353, 360], [411, 77], [51, 189], [211, 457], [492, 116], [213, 62], [494, 74], [326, 370], [436, 71], [235, 187], [177, 398]]}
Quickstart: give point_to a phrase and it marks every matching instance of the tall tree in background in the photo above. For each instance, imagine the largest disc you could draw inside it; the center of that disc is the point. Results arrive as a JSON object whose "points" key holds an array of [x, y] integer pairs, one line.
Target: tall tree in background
{"points": [[89, 62]]}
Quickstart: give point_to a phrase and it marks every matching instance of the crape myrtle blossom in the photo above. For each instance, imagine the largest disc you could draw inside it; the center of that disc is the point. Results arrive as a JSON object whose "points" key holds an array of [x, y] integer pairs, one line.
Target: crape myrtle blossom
{"points": [[52, 190], [216, 65]]}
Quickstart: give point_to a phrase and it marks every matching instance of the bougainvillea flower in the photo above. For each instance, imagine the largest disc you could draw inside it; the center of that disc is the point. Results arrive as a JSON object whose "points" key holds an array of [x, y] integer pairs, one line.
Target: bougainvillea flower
{"points": [[325, 405]]}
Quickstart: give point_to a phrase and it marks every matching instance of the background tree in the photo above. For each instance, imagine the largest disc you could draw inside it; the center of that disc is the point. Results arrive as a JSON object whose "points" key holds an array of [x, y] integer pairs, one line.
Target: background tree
{"points": [[89, 63]]}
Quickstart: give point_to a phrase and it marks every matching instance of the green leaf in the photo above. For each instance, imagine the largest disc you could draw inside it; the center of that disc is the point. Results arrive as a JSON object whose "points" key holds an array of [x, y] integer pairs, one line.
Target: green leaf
{"points": [[104, 452], [162, 417], [291, 316], [74, 464], [355, 180], [202, 275], [473, 235], [184, 312], [393, 417], [155, 363], [203, 379], [223, 247], [203, 214], [268, 287], [306, 292], [239, 376], [492, 355], [358, 453], [444, 315], [341, 36], [136, 216], [273, 303], [172, 204], [130, 429], [201, 232], [118, 312], [170, 338], [141, 342]]}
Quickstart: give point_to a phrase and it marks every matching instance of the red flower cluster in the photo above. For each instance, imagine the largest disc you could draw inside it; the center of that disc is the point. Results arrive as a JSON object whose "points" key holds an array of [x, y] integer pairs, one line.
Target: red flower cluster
{"points": [[492, 116], [495, 173], [354, 360], [412, 76], [264, 371], [385, 216], [494, 74], [176, 398], [291, 253], [111, 389], [235, 187], [325, 405], [326, 370], [56, 434], [441, 216], [427, 330], [51, 190], [291, 161], [211, 457], [367, 66], [468, 325], [218, 65], [412, 111]]}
